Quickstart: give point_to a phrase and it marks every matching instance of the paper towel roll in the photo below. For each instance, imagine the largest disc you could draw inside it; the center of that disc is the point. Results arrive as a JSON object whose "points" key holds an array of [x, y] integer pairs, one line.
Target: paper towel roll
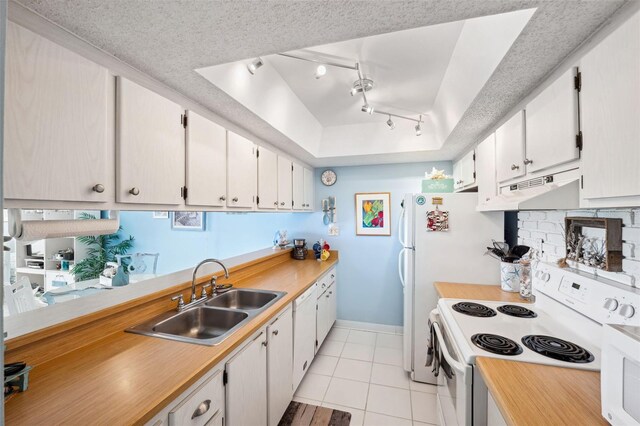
{"points": [[41, 229]]}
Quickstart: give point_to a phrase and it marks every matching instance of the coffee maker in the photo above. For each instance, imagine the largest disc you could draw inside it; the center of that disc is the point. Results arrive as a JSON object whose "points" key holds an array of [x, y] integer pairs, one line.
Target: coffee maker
{"points": [[299, 249]]}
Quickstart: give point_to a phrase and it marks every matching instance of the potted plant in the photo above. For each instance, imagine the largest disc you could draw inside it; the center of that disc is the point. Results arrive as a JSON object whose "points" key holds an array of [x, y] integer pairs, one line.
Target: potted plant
{"points": [[100, 250]]}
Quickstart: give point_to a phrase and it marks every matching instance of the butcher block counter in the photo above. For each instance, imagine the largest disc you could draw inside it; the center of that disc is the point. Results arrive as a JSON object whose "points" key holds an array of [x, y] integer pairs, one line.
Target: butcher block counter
{"points": [[476, 292], [124, 378], [532, 394]]}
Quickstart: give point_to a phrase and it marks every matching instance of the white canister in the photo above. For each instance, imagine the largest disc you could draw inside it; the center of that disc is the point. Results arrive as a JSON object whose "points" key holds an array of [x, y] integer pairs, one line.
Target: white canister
{"points": [[510, 276]]}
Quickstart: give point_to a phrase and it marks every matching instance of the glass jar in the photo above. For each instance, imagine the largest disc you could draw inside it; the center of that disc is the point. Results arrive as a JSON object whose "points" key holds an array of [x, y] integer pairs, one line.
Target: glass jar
{"points": [[525, 279]]}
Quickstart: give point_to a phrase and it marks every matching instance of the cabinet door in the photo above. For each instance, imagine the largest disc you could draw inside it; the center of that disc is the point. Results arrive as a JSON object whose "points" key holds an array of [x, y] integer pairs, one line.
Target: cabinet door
{"points": [[486, 169], [457, 175], [308, 189], [322, 318], [206, 162], [242, 173], [332, 309], [58, 137], [552, 125], [469, 169], [246, 389], [151, 151], [280, 365], [284, 183], [298, 186], [610, 101], [267, 179], [510, 148]]}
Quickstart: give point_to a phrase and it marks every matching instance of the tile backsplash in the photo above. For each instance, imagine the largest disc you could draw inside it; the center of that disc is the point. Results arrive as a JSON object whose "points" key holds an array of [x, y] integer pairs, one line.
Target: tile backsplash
{"points": [[544, 230]]}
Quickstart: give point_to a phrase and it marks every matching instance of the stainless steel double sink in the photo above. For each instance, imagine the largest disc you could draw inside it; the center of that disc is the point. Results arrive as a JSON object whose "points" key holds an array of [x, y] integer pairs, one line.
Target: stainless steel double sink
{"points": [[213, 320]]}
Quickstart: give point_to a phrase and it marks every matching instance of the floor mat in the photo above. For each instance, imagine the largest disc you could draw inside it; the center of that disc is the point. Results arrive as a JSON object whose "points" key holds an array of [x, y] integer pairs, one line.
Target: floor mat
{"points": [[299, 414]]}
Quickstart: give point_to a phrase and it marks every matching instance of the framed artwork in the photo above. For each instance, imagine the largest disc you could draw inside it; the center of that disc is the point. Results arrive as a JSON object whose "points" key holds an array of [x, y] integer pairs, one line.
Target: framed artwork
{"points": [[161, 215], [188, 221], [373, 213]]}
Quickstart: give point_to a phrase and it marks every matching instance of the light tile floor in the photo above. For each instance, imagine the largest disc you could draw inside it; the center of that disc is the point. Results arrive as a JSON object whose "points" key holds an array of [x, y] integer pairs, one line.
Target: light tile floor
{"points": [[361, 372]]}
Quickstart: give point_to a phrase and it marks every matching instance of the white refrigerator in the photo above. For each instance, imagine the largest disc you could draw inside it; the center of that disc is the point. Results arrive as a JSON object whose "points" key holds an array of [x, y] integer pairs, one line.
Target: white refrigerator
{"points": [[455, 255]]}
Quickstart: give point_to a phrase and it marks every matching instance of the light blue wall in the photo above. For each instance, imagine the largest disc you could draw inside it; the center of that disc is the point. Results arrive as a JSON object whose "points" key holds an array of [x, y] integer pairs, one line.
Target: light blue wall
{"points": [[369, 288], [226, 235]]}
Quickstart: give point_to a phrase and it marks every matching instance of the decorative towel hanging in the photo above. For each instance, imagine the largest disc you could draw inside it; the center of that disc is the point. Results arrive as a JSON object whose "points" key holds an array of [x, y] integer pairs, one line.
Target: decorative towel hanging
{"points": [[437, 220]]}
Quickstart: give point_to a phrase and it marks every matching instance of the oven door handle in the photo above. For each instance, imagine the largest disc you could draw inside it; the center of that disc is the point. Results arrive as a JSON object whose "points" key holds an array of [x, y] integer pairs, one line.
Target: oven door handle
{"points": [[445, 351]]}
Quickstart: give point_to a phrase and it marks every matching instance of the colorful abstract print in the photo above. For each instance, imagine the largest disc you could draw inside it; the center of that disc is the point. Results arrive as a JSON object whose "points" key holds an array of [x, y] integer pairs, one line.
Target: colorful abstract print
{"points": [[373, 214]]}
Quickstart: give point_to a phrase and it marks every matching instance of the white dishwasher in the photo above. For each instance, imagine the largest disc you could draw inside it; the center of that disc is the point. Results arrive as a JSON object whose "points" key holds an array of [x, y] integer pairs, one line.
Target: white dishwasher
{"points": [[304, 333]]}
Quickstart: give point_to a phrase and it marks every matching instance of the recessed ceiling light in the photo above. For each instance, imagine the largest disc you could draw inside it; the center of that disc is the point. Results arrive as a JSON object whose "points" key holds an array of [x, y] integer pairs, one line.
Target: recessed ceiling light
{"points": [[254, 65], [321, 71], [391, 124], [367, 108]]}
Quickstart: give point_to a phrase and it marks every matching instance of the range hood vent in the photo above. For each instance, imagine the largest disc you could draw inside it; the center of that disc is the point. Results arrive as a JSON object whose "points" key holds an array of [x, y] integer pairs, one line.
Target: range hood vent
{"points": [[551, 192]]}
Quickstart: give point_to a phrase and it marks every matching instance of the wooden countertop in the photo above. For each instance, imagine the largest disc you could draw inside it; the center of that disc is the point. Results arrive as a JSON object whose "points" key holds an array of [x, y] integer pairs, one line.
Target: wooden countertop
{"points": [[127, 378], [534, 394], [476, 292]]}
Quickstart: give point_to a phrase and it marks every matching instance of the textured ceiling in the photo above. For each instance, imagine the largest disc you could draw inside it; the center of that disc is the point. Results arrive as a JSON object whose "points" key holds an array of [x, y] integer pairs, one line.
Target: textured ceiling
{"points": [[168, 39]]}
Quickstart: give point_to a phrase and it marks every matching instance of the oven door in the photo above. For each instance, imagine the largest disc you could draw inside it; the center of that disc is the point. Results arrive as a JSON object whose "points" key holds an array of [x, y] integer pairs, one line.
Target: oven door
{"points": [[455, 380]]}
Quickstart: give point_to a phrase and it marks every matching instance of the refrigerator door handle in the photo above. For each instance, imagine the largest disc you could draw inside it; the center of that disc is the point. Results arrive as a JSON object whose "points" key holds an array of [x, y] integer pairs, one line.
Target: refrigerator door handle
{"points": [[401, 266], [400, 228]]}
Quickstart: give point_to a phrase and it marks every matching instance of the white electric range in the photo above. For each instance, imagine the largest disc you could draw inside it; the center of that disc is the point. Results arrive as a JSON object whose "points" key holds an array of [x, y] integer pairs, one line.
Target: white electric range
{"points": [[562, 328]]}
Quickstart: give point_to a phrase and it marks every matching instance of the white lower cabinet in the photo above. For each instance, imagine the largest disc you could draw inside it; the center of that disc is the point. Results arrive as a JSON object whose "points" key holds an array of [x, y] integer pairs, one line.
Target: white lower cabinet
{"points": [[327, 307], [204, 404], [322, 318], [246, 387], [279, 365], [494, 417]]}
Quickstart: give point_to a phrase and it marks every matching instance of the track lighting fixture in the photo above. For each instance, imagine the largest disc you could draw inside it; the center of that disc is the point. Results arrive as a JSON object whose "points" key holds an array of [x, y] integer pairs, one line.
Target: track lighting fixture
{"points": [[360, 87], [320, 71], [418, 127], [254, 65], [391, 124]]}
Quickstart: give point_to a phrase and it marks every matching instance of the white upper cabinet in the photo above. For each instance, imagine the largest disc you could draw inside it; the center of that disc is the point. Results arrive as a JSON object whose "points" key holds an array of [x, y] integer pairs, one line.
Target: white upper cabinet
{"points": [[206, 162], [486, 169], [58, 135], [267, 179], [298, 186], [308, 189], [284, 183], [552, 125], [610, 100], [241, 171], [464, 171], [510, 148], [150, 149]]}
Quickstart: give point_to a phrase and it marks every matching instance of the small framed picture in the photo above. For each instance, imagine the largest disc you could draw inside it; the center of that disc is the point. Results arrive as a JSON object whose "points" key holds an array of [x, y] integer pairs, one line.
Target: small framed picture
{"points": [[373, 213], [188, 221], [161, 215]]}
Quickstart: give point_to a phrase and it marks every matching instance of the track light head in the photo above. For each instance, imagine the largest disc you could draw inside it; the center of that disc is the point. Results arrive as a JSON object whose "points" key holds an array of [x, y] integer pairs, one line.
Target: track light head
{"points": [[320, 71], [418, 129], [367, 108], [391, 124], [254, 65]]}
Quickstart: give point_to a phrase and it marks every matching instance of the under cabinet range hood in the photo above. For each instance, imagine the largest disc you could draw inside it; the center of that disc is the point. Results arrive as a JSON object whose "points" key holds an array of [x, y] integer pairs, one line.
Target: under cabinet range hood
{"points": [[550, 192]]}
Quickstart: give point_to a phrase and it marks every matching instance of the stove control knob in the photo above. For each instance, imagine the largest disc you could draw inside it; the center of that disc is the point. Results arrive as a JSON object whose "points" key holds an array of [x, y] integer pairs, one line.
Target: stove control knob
{"points": [[610, 304], [626, 311]]}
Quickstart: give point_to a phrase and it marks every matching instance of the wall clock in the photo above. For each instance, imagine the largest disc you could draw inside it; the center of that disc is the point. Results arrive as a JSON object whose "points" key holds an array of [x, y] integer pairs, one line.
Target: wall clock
{"points": [[328, 177]]}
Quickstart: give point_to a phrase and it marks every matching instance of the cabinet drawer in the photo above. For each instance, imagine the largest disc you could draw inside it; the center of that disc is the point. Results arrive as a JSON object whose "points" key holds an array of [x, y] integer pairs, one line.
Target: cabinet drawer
{"points": [[204, 403], [326, 281]]}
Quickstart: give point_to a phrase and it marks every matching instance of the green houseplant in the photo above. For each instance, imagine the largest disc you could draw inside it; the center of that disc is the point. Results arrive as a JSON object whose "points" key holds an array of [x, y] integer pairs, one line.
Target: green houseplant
{"points": [[100, 250]]}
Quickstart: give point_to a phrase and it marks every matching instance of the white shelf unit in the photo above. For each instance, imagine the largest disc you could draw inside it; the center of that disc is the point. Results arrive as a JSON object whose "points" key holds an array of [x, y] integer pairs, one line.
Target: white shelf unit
{"points": [[48, 248]]}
